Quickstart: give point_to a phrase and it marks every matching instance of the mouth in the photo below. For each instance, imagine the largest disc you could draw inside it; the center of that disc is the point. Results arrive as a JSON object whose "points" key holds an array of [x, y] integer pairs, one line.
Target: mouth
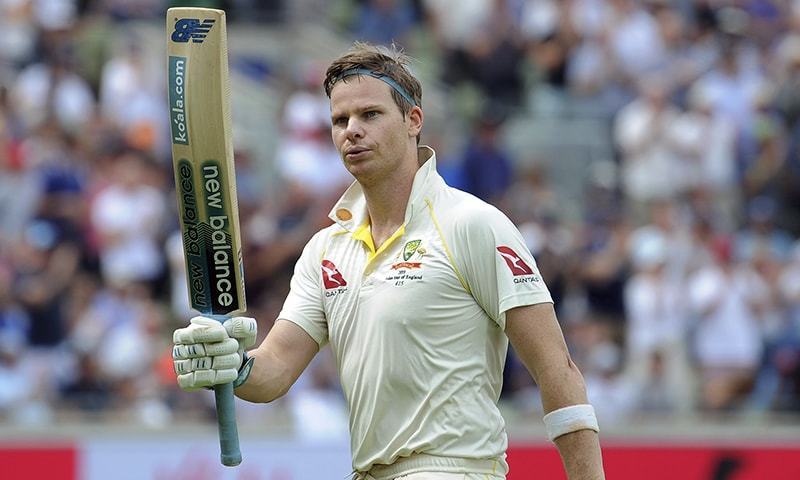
{"points": [[354, 153]]}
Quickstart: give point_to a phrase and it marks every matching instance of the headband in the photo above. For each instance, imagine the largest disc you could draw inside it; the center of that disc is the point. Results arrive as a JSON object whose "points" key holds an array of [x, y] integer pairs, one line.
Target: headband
{"points": [[384, 78]]}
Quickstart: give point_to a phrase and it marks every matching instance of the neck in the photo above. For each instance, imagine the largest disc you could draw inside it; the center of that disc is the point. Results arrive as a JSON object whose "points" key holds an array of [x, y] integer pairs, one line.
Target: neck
{"points": [[387, 201]]}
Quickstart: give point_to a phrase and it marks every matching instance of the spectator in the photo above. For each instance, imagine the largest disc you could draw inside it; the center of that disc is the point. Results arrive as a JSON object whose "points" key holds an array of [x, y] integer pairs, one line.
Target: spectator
{"points": [[481, 45], [654, 396], [726, 300], [667, 226], [787, 95], [778, 385], [87, 390], [761, 234], [52, 89], [764, 173], [21, 399], [45, 265], [590, 71], [306, 157], [635, 40], [131, 97], [643, 131], [787, 102], [19, 39], [731, 88], [487, 166], [657, 326], [117, 324], [549, 36], [706, 144], [453, 22], [19, 185], [612, 394], [128, 216], [385, 21], [604, 268], [687, 53], [14, 320]]}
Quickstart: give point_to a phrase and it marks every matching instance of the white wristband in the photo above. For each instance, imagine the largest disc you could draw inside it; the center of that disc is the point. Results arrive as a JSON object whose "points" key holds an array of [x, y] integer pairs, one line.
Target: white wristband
{"points": [[570, 419]]}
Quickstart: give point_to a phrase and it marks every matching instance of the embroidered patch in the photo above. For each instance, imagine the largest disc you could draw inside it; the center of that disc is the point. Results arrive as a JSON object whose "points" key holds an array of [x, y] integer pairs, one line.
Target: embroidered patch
{"points": [[410, 248]]}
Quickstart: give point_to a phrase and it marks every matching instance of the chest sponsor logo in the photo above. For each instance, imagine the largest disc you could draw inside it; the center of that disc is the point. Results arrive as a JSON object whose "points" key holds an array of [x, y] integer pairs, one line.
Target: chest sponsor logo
{"points": [[517, 265], [331, 276]]}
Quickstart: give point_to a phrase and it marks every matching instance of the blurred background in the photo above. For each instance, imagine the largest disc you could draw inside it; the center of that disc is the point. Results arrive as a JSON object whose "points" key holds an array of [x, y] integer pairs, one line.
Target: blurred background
{"points": [[646, 149]]}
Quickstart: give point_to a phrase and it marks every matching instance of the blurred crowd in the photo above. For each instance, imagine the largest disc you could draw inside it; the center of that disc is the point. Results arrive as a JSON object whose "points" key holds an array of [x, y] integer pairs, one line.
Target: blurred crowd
{"points": [[678, 285]]}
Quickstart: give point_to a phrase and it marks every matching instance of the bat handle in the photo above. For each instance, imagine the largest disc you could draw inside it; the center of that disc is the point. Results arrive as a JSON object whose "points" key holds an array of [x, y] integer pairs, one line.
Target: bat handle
{"points": [[226, 421], [230, 454]]}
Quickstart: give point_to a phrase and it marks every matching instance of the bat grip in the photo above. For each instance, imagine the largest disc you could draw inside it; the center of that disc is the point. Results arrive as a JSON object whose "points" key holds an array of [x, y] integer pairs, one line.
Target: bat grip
{"points": [[230, 454], [226, 421]]}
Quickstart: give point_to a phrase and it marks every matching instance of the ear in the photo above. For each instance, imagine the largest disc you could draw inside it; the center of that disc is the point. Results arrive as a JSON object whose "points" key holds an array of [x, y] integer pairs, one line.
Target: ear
{"points": [[415, 119]]}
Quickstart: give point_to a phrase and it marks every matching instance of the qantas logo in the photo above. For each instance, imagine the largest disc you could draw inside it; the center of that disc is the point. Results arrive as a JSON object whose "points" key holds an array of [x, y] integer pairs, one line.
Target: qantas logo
{"points": [[517, 266], [331, 276]]}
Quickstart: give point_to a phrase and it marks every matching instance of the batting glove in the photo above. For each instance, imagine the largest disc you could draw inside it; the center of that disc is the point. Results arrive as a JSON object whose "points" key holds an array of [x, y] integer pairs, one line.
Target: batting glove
{"points": [[208, 353]]}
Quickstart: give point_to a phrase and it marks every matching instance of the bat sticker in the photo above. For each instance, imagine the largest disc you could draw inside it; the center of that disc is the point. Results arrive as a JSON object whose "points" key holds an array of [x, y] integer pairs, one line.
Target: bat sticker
{"points": [[191, 29]]}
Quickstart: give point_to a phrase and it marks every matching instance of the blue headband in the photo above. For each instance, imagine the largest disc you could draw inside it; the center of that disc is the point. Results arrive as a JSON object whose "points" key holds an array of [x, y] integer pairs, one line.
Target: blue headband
{"points": [[384, 78]]}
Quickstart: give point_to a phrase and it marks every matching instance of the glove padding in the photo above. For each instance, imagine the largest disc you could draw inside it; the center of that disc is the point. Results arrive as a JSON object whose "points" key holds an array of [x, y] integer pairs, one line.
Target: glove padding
{"points": [[208, 353]]}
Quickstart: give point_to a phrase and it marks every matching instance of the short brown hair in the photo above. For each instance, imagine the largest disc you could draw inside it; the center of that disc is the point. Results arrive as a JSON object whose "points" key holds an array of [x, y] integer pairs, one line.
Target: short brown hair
{"points": [[388, 61]]}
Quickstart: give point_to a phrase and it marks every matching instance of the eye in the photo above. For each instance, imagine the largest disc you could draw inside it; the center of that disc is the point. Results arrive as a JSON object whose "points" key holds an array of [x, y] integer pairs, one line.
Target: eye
{"points": [[340, 121], [371, 114]]}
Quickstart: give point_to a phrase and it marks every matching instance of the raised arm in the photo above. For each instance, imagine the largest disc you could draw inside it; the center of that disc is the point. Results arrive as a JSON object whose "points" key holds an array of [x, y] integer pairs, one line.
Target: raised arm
{"points": [[277, 362], [536, 337]]}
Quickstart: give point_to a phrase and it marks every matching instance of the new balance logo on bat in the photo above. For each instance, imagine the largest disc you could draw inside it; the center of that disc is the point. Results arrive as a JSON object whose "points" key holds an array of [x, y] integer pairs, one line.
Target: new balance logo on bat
{"points": [[191, 28]]}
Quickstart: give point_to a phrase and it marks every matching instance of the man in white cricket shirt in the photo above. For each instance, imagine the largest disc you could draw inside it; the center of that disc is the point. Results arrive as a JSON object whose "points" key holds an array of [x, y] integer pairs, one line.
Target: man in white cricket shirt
{"points": [[418, 288]]}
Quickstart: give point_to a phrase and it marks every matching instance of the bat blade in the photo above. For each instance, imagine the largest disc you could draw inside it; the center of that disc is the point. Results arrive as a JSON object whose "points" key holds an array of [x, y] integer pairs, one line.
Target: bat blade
{"points": [[202, 155]]}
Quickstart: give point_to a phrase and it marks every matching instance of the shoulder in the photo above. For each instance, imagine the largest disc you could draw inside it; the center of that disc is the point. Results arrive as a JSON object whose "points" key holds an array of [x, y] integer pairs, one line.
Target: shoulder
{"points": [[320, 240], [462, 214]]}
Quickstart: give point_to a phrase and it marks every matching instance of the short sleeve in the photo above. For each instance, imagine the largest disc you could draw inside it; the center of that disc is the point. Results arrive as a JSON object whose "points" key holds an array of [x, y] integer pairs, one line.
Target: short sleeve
{"points": [[303, 305], [496, 264]]}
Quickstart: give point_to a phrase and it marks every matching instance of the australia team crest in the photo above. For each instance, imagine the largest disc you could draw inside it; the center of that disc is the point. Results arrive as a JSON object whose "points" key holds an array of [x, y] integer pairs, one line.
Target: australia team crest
{"points": [[410, 249]]}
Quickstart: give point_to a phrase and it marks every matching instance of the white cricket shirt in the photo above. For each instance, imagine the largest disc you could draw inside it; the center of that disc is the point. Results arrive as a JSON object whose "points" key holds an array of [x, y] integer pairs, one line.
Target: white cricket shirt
{"points": [[416, 324]]}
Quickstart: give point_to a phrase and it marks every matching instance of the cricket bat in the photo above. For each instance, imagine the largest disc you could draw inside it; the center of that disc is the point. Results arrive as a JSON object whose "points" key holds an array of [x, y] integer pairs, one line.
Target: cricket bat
{"points": [[202, 155]]}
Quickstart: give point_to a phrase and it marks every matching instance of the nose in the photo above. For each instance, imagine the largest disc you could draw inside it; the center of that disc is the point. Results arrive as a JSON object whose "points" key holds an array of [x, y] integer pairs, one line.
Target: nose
{"points": [[354, 129]]}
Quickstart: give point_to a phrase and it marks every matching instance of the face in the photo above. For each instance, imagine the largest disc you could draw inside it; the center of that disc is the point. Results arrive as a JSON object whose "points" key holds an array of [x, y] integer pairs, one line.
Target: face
{"points": [[374, 139]]}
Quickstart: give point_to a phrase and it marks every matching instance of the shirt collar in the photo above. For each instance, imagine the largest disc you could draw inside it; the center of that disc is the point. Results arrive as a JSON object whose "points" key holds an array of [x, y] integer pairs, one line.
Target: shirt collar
{"points": [[350, 212]]}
